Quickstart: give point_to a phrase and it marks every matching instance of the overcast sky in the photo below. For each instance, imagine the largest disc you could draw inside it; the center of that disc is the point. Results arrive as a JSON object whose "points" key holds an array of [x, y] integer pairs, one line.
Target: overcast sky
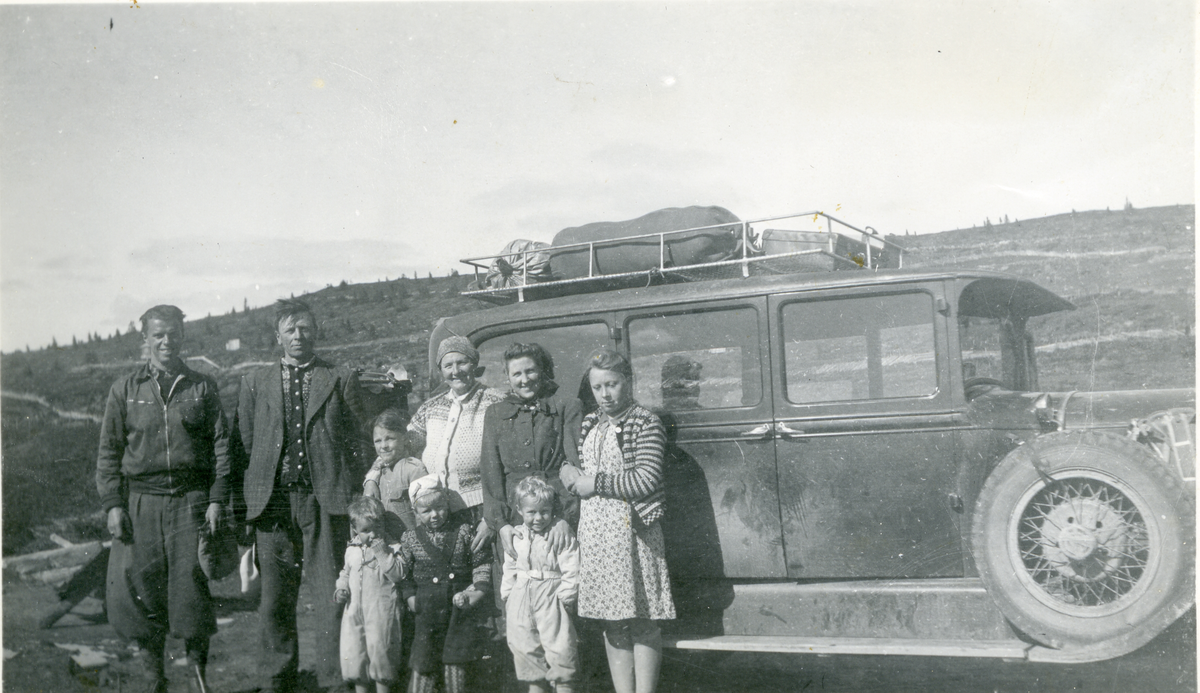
{"points": [[202, 154]]}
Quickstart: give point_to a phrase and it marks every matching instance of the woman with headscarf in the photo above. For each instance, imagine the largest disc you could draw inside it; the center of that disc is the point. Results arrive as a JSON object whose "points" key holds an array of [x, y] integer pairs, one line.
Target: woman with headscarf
{"points": [[451, 425]]}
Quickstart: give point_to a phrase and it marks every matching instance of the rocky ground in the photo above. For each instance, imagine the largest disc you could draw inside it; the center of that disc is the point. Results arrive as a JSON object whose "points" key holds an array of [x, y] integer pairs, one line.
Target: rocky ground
{"points": [[35, 660]]}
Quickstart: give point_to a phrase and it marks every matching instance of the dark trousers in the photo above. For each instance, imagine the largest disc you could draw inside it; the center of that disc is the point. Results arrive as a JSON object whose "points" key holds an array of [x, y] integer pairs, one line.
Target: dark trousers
{"points": [[154, 583], [295, 536]]}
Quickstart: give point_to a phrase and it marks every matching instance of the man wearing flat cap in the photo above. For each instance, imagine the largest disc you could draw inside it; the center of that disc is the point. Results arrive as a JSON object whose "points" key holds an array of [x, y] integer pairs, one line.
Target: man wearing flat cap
{"points": [[451, 425], [299, 422]]}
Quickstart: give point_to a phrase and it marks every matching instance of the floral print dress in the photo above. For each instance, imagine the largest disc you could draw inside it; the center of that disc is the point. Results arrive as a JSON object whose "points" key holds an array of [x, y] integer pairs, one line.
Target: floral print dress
{"points": [[623, 572]]}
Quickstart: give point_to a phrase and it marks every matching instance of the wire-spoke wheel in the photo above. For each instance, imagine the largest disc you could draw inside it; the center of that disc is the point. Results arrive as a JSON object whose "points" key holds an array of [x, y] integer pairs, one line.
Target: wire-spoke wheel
{"points": [[1085, 541]]}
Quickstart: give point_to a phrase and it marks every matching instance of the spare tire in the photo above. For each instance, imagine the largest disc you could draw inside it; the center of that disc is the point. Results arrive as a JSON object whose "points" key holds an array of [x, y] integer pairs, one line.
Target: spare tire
{"points": [[1085, 542]]}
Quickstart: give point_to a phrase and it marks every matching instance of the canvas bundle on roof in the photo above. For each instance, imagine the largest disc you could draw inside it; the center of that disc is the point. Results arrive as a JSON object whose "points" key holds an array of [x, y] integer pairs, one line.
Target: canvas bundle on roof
{"points": [[676, 245]]}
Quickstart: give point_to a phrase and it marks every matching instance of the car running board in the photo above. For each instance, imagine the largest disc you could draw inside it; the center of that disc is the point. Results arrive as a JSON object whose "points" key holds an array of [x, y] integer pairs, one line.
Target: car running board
{"points": [[1002, 649]]}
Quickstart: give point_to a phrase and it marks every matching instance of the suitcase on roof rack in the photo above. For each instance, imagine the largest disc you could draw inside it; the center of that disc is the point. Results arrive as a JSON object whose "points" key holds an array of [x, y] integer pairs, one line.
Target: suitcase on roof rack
{"points": [[831, 251]]}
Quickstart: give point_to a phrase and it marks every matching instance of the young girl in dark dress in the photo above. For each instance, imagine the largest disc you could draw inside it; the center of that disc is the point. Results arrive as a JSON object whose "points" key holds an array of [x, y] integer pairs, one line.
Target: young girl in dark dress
{"points": [[447, 584]]}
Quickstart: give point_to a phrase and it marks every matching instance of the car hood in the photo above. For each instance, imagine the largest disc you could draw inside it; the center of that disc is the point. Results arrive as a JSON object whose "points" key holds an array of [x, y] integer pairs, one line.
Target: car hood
{"points": [[1076, 410], [1117, 408]]}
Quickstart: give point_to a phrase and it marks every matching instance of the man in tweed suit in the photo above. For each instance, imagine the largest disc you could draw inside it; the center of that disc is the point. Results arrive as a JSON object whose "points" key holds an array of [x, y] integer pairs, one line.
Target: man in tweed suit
{"points": [[299, 422]]}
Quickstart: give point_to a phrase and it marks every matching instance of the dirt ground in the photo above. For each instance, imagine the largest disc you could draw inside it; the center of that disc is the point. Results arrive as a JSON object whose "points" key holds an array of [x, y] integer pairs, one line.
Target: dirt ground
{"points": [[35, 663]]}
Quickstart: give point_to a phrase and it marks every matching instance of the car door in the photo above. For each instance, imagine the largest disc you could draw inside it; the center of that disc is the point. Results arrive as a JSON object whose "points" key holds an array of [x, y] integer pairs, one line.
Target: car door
{"points": [[866, 433], [704, 367]]}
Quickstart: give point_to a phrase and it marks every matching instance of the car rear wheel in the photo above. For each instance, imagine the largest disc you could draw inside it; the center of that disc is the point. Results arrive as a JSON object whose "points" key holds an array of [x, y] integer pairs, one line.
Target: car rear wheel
{"points": [[1085, 542]]}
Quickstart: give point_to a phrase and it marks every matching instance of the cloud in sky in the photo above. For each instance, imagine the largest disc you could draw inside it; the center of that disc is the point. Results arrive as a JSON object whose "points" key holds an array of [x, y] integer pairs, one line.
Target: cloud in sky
{"points": [[198, 151]]}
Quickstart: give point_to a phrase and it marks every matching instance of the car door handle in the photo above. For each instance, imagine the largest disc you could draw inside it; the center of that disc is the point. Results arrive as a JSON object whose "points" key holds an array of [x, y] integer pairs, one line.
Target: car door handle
{"points": [[763, 431], [787, 431]]}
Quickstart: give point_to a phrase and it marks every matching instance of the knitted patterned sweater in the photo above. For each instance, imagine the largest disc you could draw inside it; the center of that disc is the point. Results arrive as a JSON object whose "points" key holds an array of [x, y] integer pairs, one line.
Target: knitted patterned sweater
{"points": [[452, 539], [462, 473], [643, 445]]}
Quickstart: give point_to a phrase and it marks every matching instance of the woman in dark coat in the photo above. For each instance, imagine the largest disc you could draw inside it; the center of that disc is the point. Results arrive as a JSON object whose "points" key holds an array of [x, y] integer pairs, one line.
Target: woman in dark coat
{"points": [[531, 432]]}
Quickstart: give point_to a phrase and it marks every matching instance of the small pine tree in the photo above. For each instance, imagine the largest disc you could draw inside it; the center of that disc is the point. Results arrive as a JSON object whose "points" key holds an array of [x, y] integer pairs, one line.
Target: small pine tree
{"points": [[53, 343], [132, 328], [1128, 205], [431, 275], [74, 342]]}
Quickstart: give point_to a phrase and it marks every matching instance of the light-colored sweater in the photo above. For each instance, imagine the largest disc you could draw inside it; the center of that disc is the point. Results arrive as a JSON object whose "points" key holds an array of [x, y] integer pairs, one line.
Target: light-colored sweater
{"points": [[459, 470]]}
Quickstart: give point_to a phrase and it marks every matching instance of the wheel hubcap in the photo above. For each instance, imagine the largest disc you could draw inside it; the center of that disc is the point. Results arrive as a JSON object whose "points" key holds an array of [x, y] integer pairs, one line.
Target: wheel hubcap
{"points": [[1083, 542]]}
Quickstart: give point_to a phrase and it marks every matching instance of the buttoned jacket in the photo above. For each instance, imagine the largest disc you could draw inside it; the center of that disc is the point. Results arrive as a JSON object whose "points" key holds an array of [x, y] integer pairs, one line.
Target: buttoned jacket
{"points": [[528, 439], [333, 439]]}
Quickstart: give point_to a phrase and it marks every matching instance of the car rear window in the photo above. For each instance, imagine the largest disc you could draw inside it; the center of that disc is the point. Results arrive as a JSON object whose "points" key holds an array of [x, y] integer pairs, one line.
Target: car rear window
{"points": [[569, 346], [859, 348], [699, 360]]}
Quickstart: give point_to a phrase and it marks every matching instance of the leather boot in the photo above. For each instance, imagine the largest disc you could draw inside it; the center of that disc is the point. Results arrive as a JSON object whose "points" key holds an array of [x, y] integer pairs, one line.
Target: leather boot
{"points": [[153, 649], [197, 654]]}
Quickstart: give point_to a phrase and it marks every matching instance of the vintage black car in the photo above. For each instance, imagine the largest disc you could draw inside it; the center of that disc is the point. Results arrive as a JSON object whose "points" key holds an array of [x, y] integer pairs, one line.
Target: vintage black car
{"points": [[861, 462]]}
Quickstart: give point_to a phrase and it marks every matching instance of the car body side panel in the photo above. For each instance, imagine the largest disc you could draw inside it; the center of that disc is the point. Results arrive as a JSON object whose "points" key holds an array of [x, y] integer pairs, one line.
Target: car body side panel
{"points": [[722, 514], [863, 501], [866, 479]]}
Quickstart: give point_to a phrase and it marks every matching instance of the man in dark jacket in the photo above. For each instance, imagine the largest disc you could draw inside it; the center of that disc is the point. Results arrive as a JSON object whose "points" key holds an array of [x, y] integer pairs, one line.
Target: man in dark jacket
{"points": [[299, 423], [163, 476]]}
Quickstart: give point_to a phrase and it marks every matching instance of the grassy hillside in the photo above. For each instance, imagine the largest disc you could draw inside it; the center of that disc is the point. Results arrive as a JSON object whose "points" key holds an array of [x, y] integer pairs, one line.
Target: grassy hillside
{"points": [[363, 325], [1131, 274]]}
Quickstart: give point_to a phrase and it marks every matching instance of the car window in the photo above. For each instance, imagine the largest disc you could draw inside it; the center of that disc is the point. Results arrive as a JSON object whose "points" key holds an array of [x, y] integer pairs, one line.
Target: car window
{"points": [[859, 348], [983, 349], [569, 346], [700, 360]]}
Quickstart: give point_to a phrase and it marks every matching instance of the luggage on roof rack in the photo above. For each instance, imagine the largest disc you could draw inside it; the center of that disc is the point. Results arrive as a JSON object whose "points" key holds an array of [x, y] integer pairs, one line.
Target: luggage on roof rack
{"points": [[668, 246], [697, 235]]}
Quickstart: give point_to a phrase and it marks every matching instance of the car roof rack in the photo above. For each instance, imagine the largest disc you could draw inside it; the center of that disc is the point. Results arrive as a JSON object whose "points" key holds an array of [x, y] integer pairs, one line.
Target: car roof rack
{"points": [[805, 242]]}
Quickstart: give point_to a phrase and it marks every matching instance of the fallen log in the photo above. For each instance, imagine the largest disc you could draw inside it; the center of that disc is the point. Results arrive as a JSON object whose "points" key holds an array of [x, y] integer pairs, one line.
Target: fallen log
{"points": [[66, 557], [86, 580]]}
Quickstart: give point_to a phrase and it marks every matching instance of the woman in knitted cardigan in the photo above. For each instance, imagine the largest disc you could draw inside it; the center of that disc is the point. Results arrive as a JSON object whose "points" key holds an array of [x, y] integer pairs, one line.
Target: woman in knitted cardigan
{"points": [[623, 567]]}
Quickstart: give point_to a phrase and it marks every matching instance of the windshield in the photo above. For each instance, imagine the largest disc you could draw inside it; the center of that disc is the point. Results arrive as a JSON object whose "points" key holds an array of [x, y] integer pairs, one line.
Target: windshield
{"points": [[994, 349]]}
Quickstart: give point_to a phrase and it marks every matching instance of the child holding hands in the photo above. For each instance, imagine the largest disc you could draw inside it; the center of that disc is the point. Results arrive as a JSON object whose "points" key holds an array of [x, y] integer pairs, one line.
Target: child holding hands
{"points": [[448, 582], [368, 585], [540, 588]]}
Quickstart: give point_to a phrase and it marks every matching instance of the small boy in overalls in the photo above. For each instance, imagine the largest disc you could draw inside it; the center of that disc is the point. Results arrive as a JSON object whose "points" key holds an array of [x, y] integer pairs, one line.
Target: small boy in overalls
{"points": [[540, 588]]}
